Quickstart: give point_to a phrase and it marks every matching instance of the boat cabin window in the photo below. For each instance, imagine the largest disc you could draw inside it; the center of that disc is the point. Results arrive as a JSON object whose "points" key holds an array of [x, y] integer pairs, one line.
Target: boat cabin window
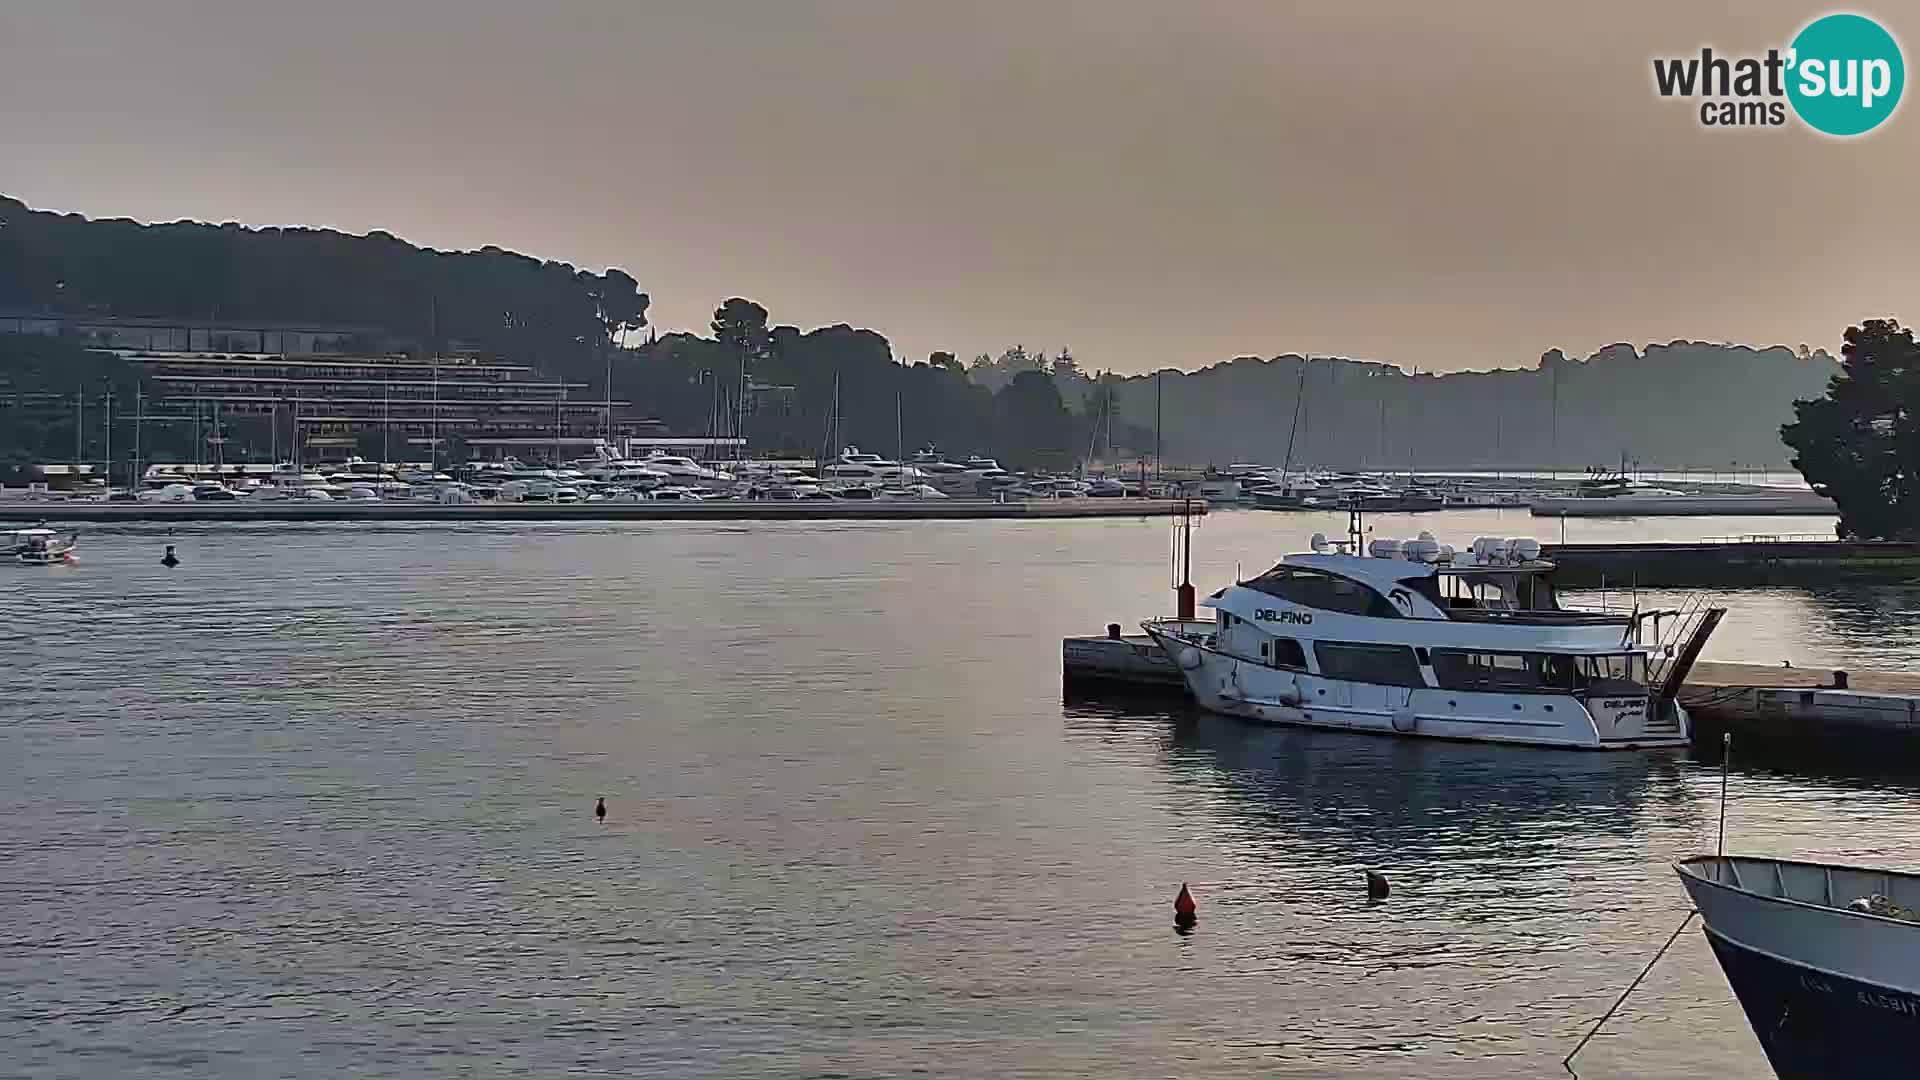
{"points": [[1621, 673], [1390, 665], [1489, 592], [1323, 591], [1538, 672], [1284, 652]]}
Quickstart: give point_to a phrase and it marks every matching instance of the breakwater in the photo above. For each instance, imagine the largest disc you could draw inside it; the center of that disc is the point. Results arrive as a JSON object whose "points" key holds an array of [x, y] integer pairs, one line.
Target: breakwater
{"points": [[1734, 562]]}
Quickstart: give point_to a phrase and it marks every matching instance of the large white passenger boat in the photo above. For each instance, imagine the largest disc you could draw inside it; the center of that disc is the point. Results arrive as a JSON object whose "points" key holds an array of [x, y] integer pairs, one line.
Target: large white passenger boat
{"points": [[1414, 639]]}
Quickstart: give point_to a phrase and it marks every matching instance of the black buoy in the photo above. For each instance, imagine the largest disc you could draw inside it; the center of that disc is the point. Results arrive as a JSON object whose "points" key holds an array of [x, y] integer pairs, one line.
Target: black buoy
{"points": [[1113, 631], [1377, 887], [600, 808], [169, 560]]}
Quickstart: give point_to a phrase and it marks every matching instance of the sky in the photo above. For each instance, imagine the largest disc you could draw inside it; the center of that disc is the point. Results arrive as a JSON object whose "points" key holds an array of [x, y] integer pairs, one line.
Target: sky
{"points": [[1150, 183]]}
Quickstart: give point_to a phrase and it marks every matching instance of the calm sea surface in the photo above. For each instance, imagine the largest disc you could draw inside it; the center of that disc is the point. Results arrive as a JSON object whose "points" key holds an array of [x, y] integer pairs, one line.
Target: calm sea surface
{"points": [[318, 803]]}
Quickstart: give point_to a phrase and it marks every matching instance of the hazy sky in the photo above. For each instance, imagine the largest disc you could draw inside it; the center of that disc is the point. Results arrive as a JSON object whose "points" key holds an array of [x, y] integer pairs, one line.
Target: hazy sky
{"points": [[1169, 183]]}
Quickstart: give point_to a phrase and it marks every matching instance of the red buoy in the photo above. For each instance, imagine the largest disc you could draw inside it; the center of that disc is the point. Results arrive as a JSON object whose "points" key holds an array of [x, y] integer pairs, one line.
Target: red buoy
{"points": [[1183, 905]]}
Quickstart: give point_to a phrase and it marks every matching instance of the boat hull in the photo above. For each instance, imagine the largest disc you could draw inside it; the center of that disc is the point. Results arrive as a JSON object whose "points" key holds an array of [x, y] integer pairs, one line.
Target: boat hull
{"points": [[1830, 992], [1818, 1025], [1237, 687]]}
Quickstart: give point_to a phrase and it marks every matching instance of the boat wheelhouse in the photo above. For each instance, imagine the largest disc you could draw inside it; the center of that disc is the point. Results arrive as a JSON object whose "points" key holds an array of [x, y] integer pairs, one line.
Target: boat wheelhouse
{"points": [[1415, 640]]}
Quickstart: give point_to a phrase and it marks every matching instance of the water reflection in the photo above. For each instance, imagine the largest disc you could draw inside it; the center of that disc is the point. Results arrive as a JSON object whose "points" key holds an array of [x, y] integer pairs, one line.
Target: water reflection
{"points": [[1353, 799]]}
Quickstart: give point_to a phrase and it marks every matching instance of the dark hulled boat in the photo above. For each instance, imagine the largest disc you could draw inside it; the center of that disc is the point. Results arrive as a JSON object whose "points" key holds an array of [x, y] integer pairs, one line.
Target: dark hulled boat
{"points": [[1825, 960]]}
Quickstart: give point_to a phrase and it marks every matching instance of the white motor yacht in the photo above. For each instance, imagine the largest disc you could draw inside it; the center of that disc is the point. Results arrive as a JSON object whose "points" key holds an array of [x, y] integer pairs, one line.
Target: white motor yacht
{"points": [[1415, 640], [857, 467], [168, 493], [684, 470]]}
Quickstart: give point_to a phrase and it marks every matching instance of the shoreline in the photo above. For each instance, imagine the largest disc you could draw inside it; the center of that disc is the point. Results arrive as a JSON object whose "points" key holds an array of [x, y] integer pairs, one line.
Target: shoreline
{"points": [[718, 510]]}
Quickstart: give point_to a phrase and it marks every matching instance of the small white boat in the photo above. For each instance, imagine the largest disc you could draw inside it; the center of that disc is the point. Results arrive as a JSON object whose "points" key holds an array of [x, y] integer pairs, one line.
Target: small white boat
{"points": [[1824, 958], [43, 547]]}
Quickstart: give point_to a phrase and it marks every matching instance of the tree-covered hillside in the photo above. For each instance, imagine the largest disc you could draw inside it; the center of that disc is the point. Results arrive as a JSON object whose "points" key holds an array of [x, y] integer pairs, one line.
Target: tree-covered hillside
{"points": [[546, 313]]}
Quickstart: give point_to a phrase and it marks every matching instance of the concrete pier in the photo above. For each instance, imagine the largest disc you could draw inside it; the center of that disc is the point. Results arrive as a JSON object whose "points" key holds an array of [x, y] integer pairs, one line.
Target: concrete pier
{"points": [[1755, 699], [1803, 702], [68, 512]]}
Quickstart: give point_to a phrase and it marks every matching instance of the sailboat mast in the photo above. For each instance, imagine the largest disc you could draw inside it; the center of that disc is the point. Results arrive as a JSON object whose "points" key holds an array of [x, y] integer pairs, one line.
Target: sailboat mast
{"points": [[1157, 399], [1299, 394], [107, 434]]}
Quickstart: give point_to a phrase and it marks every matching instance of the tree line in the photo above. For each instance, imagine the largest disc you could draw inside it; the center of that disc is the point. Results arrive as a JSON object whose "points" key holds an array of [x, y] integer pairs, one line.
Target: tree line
{"points": [[797, 391], [806, 392]]}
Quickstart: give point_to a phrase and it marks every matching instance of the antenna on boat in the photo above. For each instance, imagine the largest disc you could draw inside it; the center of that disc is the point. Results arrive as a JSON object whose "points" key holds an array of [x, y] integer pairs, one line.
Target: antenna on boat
{"points": [[1726, 759]]}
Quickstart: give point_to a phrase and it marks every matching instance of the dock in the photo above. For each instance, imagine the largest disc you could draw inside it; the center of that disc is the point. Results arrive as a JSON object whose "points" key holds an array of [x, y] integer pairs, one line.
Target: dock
{"points": [[65, 512], [1806, 704], [1732, 561]]}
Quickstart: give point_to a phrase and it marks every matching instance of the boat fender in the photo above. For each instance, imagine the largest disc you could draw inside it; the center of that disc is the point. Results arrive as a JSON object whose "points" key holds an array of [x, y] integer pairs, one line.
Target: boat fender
{"points": [[1189, 658], [1404, 720], [1288, 695]]}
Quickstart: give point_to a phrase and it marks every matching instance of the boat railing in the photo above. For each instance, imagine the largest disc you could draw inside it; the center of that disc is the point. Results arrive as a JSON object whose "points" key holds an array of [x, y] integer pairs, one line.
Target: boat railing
{"points": [[1183, 628], [1524, 617], [1773, 538], [1687, 627]]}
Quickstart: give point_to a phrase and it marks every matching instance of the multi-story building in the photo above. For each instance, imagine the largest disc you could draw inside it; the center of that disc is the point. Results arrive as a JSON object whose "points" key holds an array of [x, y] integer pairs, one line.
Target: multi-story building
{"points": [[249, 406]]}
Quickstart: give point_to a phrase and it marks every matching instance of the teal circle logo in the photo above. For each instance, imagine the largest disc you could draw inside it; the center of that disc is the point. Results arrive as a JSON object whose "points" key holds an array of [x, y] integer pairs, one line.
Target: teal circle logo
{"points": [[1847, 75]]}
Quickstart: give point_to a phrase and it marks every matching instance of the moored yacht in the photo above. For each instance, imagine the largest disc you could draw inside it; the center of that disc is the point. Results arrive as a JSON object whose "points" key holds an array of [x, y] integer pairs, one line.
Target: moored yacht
{"points": [[1414, 639], [863, 468], [684, 470], [1824, 959]]}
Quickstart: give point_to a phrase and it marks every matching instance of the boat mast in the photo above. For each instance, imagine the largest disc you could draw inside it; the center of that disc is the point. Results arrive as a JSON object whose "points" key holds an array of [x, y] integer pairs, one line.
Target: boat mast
{"points": [[1157, 400], [1380, 382], [107, 451], [1299, 392], [830, 438], [740, 406], [1553, 381]]}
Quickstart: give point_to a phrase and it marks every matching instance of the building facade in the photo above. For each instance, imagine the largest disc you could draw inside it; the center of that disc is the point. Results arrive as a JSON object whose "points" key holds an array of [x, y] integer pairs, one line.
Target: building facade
{"points": [[249, 406]]}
